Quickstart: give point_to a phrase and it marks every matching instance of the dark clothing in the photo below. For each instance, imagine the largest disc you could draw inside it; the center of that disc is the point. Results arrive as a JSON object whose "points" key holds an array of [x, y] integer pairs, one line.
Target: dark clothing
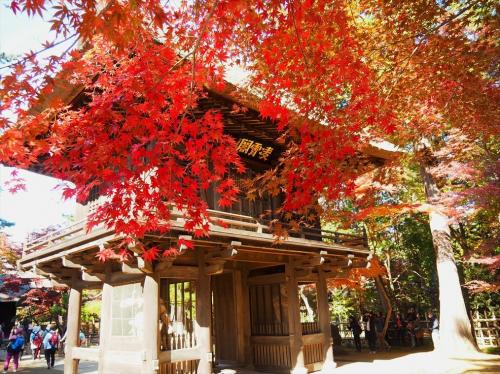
{"points": [[50, 357], [357, 342], [371, 334], [379, 324], [356, 331]]}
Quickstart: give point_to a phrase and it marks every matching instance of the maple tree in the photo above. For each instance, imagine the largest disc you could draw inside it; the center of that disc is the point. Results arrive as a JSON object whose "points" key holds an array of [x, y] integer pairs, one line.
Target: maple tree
{"points": [[331, 74]]}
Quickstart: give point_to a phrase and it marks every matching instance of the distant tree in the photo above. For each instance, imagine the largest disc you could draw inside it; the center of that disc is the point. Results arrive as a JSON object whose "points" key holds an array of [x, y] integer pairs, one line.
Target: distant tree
{"points": [[4, 223]]}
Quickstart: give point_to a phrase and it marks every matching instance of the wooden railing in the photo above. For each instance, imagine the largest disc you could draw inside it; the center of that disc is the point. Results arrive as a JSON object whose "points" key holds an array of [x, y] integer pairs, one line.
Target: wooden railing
{"points": [[310, 328], [219, 220], [486, 328], [54, 237]]}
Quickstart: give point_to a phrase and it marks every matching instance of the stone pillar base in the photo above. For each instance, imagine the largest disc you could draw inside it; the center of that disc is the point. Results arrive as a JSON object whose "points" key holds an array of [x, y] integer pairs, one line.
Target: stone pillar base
{"points": [[328, 367], [299, 370]]}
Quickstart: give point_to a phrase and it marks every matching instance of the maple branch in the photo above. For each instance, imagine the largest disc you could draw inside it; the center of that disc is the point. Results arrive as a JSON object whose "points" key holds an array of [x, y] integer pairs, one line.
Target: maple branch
{"points": [[194, 51], [306, 61], [441, 24], [403, 68], [38, 52]]}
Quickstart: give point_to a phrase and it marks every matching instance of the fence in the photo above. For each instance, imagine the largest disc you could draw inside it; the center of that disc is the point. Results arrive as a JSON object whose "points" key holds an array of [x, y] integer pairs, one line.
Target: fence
{"points": [[486, 327]]}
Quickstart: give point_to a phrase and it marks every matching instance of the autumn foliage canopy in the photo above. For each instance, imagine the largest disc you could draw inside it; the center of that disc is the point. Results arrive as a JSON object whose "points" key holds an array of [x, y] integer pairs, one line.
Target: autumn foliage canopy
{"points": [[332, 75]]}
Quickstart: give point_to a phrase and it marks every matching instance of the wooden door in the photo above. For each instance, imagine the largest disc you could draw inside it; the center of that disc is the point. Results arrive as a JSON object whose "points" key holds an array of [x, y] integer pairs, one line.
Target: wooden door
{"points": [[224, 319]]}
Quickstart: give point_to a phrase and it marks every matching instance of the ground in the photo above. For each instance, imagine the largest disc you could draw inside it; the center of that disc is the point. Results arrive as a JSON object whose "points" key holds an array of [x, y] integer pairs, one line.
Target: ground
{"points": [[397, 361]]}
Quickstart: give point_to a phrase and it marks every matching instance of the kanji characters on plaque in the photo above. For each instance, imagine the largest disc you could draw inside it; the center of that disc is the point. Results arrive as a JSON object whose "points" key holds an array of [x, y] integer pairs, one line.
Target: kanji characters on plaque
{"points": [[254, 149]]}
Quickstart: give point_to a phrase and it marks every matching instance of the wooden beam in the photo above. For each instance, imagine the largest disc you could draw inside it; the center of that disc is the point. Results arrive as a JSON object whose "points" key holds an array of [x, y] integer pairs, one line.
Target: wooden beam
{"points": [[181, 272], [120, 278], [267, 279], [127, 269]]}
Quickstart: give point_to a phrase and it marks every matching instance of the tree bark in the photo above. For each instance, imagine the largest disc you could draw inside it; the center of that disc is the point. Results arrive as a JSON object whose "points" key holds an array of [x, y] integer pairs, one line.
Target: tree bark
{"points": [[454, 326]]}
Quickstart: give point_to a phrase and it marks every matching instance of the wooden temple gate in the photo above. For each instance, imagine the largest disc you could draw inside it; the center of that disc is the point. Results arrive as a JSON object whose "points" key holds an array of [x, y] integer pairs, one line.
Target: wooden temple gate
{"points": [[233, 300], [226, 303]]}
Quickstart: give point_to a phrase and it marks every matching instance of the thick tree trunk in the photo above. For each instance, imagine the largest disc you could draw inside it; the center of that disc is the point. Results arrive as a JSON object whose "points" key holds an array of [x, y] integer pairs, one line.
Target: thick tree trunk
{"points": [[454, 326]]}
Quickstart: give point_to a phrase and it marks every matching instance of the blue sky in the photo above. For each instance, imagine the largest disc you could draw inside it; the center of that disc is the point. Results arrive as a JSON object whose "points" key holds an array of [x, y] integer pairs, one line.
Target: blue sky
{"points": [[40, 205]]}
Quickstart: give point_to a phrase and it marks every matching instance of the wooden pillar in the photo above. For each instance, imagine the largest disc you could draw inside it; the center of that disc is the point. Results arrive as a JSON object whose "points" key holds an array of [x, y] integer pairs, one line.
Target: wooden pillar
{"points": [[203, 317], [105, 320], [295, 328], [247, 323], [324, 324], [73, 330], [242, 317], [151, 325]]}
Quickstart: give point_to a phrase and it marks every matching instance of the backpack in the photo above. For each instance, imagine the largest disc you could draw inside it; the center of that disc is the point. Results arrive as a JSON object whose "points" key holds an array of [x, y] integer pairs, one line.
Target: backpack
{"points": [[54, 340], [16, 345], [37, 340]]}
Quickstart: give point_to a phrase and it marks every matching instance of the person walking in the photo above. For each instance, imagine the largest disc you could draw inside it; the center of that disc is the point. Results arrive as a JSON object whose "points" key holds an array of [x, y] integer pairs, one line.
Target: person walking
{"points": [[379, 328], [400, 329], [356, 332], [36, 340], [50, 344], [434, 329], [370, 333], [16, 344]]}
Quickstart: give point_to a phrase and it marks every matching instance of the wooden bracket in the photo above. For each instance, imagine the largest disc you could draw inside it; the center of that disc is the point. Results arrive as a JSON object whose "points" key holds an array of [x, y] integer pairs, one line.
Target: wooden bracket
{"points": [[165, 264], [214, 267], [350, 258], [96, 277], [144, 266], [127, 269], [67, 263], [183, 247]]}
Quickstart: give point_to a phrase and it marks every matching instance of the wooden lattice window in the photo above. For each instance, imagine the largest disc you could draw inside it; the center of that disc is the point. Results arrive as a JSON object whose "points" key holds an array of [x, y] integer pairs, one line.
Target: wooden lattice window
{"points": [[178, 305]]}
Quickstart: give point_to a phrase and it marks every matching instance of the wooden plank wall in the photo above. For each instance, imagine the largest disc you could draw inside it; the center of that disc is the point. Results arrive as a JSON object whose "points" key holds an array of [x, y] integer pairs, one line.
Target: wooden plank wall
{"points": [[313, 353], [271, 357], [224, 322], [183, 367], [269, 316]]}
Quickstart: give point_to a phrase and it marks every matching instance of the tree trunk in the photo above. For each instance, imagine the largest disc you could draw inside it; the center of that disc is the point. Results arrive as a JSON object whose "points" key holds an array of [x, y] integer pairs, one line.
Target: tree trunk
{"points": [[454, 326]]}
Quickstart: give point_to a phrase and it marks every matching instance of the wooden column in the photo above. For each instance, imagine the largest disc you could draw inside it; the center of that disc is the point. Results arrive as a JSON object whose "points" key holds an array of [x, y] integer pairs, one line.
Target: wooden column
{"points": [[247, 323], [295, 328], [324, 324], [242, 317], [73, 330], [203, 317], [151, 325], [105, 320]]}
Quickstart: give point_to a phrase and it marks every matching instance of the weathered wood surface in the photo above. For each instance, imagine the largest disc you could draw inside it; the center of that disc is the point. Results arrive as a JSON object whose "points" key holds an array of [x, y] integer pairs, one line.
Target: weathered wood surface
{"points": [[72, 331]]}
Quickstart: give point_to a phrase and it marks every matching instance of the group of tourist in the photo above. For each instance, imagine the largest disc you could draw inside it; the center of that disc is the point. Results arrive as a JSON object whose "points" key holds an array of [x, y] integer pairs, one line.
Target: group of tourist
{"points": [[410, 327], [34, 338]]}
